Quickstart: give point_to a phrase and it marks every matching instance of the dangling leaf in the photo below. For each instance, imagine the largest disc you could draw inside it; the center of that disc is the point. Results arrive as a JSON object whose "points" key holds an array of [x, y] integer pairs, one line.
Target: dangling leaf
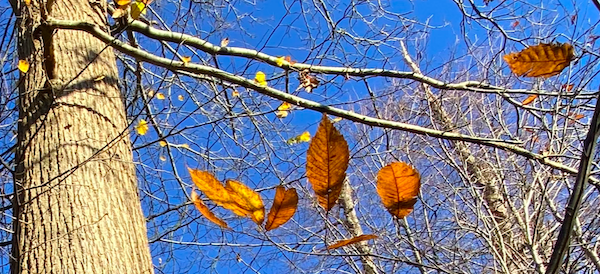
{"points": [[398, 186], [225, 42], [206, 211], [280, 61], [247, 199], [283, 208], [142, 127], [352, 241], [326, 163], [139, 7], [186, 59], [215, 191], [260, 78], [529, 99], [23, 66], [543, 60], [160, 96]]}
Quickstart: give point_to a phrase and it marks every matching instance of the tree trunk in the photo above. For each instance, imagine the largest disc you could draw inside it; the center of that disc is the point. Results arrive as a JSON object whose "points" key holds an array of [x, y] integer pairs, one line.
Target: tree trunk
{"points": [[76, 206]]}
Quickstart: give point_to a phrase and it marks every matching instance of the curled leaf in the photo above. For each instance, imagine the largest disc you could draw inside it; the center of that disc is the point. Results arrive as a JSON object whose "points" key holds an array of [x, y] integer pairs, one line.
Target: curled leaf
{"points": [[398, 186], [543, 60], [162, 143], [326, 163], [160, 96], [356, 239], [180, 97], [186, 59], [283, 208], [206, 211]]}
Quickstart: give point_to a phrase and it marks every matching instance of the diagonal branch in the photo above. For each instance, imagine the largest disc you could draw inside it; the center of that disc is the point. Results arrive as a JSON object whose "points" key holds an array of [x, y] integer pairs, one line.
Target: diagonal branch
{"points": [[508, 145]]}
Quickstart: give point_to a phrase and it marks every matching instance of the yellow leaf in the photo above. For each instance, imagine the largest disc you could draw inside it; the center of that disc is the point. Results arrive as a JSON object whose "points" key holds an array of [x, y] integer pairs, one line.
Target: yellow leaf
{"points": [[247, 199], [543, 60], [160, 96], [304, 137], [398, 186], [281, 113], [186, 146], [283, 208], [261, 78], [23, 66], [162, 158], [352, 241], [326, 163], [336, 119], [529, 99], [186, 59], [151, 93], [225, 42], [162, 143], [142, 127], [123, 2], [284, 106], [235, 93], [138, 8], [206, 211], [99, 78], [28, 3], [280, 61], [180, 97]]}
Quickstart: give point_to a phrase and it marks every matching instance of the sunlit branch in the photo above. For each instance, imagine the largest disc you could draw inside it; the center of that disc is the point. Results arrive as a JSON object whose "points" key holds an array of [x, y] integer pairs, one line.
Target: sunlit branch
{"points": [[508, 145]]}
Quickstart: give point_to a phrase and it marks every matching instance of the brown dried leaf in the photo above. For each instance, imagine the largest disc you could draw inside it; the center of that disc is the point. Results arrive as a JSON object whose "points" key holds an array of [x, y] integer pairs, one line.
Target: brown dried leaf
{"points": [[283, 208], [543, 60], [398, 186], [326, 163], [215, 191], [206, 211], [247, 199], [352, 241], [529, 99]]}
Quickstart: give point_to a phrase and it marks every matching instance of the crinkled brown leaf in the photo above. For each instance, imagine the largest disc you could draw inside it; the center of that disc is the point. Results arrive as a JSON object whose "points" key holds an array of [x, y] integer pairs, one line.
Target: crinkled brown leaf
{"points": [[398, 186], [206, 211], [352, 241], [326, 163], [247, 199], [529, 99], [543, 60], [215, 191], [283, 208]]}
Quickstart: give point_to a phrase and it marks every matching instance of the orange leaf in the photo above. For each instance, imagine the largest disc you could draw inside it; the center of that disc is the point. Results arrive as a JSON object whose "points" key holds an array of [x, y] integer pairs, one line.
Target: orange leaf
{"points": [[283, 208], [215, 191], [543, 60], [206, 211], [514, 24], [529, 99], [247, 199], [398, 186], [326, 163], [352, 241]]}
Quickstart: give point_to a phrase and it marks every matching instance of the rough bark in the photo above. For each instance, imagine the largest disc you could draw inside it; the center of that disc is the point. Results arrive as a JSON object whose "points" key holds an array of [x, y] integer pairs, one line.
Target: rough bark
{"points": [[77, 208]]}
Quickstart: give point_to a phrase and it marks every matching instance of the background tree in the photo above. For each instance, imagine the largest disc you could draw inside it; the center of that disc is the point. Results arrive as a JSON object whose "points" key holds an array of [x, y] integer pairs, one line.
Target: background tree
{"points": [[419, 81]]}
